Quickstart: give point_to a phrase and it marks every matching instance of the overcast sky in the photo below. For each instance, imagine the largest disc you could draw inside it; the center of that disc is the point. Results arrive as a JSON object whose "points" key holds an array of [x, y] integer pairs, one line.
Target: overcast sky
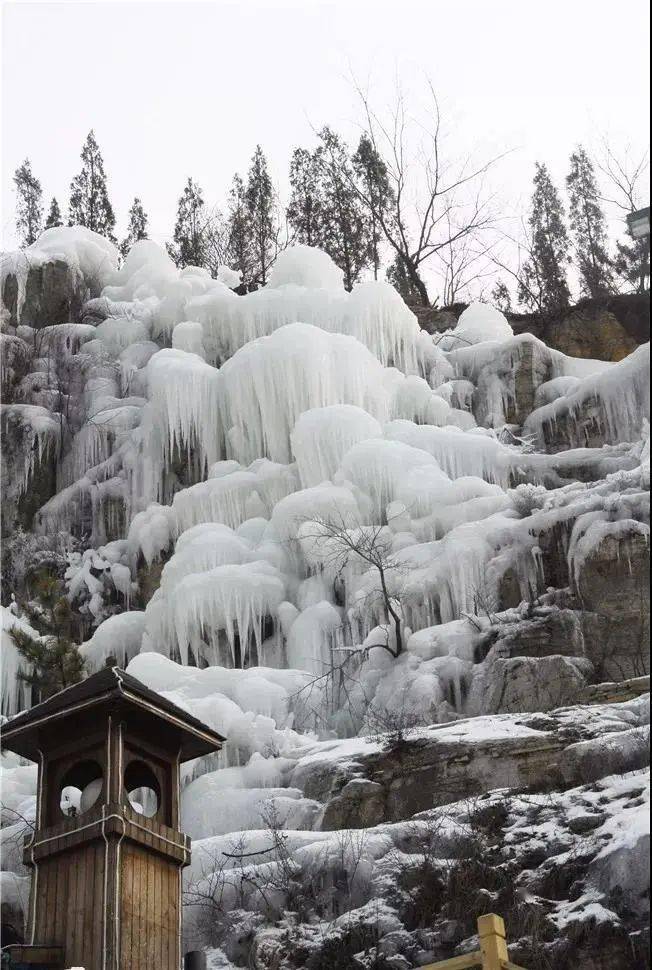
{"points": [[183, 88]]}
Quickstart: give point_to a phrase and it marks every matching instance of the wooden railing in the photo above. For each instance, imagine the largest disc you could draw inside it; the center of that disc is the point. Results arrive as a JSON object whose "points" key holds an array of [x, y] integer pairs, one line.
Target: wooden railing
{"points": [[492, 954]]}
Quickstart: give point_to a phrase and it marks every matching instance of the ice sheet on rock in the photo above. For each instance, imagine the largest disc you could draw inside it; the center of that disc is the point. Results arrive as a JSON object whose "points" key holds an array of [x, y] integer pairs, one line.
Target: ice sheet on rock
{"points": [[458, 638], [306, 266], [619, 395], [555, 388], [234, 494], [107, 427], [306, 286], [436, 582], [377, 316], [189, 336], [132, 363], [151, 532], [457, 393], [117, 333], [252, 708], [150, 280], [379, 466], [218, 613], [201, 548], [119, 637], [208, 809], [458, 453], [322, 436], [16, 692], [413, 400], [325, 501], [428, 504], [311, 638], [269, 383], [87, 253], [591, 529], [184, 393], [96, 507], [35, 433], [480, 322]]}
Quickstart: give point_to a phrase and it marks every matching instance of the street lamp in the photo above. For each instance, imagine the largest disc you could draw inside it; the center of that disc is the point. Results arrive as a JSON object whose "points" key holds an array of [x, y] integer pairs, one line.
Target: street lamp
{"points": [[639, 223]]}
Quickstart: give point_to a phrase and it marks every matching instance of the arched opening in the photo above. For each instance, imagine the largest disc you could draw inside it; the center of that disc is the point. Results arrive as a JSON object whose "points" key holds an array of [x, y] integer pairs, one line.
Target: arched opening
{"points": [[142, 788], [80, 788]]}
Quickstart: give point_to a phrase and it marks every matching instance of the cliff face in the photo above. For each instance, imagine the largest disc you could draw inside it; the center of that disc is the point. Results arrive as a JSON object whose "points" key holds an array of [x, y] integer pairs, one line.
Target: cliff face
{"points": [[609, 329], [172, 454]]}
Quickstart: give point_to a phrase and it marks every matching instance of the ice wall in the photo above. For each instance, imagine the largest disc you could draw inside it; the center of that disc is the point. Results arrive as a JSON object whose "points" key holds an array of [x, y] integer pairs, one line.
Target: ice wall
{"points": [[211, 436]]}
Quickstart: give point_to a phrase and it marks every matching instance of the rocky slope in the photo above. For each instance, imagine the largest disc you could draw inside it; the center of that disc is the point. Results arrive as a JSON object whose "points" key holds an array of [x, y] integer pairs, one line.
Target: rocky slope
{"points": [[212, 482]]}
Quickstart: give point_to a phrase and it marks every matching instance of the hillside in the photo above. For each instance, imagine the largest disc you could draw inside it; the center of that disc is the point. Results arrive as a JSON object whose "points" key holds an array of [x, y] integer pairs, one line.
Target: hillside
{"points": [[394, 568]]}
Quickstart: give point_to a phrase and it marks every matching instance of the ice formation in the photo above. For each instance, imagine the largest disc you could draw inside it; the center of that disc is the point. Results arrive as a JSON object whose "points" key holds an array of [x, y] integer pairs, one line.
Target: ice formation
{"points": [[15, 691], [186, 422], [480, 322], [218, 457], [211, 439], [619, 396], [91, 257], [322, 436], [269, 383]]}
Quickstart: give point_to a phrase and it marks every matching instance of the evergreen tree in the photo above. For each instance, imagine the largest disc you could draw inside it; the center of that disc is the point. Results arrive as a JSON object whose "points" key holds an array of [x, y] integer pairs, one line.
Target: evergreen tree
{"points": [[543, 285], [54, 215], [189, 247], [371, 171], [345, 233], [29, 210], [239, 244], [398, 276], [501, 297], [632, 263], [53, 661], [259, 197], [89, 197], [305, 211], [588, 224], [137, 228]]}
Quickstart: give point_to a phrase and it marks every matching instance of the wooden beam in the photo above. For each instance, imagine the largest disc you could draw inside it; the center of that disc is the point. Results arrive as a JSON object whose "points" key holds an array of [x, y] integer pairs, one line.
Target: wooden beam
{"points": [[465, 962], [493, 944], [508, 965]]}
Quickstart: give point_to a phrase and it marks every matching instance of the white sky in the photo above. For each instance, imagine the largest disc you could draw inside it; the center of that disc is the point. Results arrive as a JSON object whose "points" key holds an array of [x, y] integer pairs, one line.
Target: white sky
{"points": [[184, 88]]}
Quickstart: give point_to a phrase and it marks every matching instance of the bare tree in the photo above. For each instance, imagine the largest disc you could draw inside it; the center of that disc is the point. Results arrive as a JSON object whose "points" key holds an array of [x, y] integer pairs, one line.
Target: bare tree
{"points": [[342, 545], [627, 183], [464, 261], [435, 201], [626, 177]]}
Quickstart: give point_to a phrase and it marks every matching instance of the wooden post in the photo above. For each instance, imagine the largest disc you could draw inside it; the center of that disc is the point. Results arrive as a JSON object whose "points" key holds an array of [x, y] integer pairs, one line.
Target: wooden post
{"points": [[493, 945]]}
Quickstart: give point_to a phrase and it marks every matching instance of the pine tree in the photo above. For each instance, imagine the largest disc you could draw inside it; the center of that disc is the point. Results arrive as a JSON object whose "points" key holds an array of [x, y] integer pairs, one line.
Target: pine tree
{"points": [[543, 285], [189, 247], [29, 210], [53, 661], [305, 210], [632, 263], [371, 171], [259, 197], [345, 234], [54, 215], [239, 246], [89, 197], [589, 227], [137, 228]]}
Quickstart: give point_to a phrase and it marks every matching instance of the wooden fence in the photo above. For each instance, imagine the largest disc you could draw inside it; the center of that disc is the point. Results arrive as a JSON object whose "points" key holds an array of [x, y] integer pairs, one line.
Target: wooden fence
{"points": [[492, 954]]}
